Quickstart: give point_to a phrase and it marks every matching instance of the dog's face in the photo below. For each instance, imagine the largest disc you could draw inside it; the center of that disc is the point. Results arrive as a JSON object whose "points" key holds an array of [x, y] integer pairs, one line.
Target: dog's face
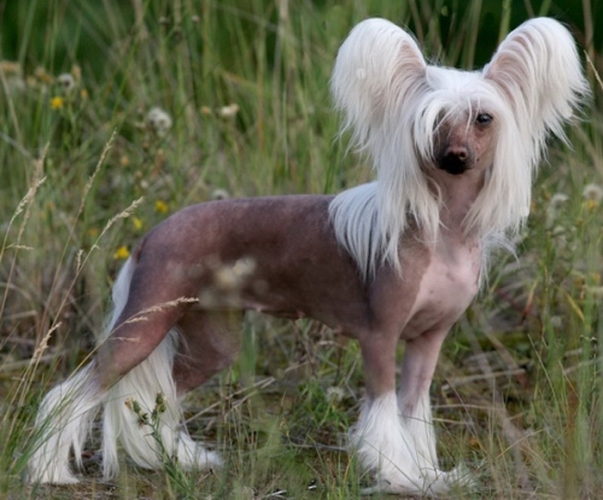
{"points": [[463, 143], [455, 123]]}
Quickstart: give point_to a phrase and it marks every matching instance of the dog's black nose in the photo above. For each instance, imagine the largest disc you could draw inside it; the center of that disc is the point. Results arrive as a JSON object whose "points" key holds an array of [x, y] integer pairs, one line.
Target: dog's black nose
{"points": [[459, 152], [455, 160]]}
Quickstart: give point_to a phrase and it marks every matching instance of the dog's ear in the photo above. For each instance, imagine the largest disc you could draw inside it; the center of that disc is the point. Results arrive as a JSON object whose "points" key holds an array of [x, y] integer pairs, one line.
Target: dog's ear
{"points": [[378, 82], [538, 70], [376, 66]]}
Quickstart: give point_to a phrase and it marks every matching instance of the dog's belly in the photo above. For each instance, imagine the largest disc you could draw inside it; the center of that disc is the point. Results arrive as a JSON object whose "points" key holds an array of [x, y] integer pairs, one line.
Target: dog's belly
{"points": [[446, 290], [347, 320]]}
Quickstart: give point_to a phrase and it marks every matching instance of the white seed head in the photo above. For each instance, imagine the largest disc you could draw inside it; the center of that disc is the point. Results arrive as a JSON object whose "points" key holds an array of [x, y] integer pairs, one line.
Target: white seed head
{"points": [[66, 81], [220, 194], [160, 121], [229, 111], [593, 192]]}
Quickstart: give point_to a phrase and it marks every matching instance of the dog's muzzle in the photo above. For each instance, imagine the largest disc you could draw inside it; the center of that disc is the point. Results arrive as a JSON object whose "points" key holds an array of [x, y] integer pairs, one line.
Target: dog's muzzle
{"points": [[455, 160]]}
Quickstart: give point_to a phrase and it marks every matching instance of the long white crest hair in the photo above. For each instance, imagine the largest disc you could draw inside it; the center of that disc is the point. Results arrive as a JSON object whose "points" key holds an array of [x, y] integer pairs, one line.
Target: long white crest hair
{"points": [[392, 102]]}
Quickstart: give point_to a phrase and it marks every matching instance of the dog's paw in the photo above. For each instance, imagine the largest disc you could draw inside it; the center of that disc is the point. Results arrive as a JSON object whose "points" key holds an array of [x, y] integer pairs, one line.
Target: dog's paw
{"points": [[430, 484], [213, 460], [462, 477]]}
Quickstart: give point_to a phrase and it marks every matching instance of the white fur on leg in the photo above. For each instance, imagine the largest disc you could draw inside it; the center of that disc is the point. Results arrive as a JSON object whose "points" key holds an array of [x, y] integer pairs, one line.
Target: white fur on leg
{"points": [[66, 412], [142, 384], [419, 424], [64, 420], [399, 449]]}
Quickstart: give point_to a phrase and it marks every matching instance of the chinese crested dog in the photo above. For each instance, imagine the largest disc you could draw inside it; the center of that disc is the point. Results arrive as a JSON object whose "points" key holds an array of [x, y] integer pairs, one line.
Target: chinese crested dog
{"points": [[397, 259]]}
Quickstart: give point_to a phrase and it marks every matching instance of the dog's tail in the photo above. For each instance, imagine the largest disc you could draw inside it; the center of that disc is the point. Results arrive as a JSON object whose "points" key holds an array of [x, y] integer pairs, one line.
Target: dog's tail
{"points": [[66, 413], [142, 411], [63, 423]]}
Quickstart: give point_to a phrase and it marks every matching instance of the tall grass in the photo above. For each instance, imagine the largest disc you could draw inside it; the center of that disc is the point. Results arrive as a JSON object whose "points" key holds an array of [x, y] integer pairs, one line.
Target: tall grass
{"points": [[245, 84]]}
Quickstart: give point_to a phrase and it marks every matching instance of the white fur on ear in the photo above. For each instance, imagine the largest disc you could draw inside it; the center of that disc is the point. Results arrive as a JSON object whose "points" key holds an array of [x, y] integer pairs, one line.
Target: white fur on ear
{"points": [[538, 71], [537, 74], [375, 66], [378, 83]]}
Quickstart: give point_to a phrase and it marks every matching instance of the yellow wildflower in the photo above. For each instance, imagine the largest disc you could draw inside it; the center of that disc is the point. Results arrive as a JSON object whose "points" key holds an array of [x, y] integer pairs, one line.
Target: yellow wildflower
{"points": [[121, 253], [137, 222], [57, 102], [161, 206]]}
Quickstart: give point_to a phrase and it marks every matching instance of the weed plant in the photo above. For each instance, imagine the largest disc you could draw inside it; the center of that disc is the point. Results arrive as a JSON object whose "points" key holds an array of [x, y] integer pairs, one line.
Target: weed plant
{"points": [[113, 114]]}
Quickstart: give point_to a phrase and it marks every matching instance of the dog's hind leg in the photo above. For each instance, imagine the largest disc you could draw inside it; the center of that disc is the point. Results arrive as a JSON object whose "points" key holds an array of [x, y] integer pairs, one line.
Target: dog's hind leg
{"points": [[199, 345], [143, 413], [209, 342], [142, 409], [132, 376]]}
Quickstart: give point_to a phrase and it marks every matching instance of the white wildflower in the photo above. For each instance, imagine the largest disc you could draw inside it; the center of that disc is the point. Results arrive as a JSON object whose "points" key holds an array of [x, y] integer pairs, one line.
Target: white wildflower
{"points": [[66, 81], [557, 322], [593, 192], [557, 201], [335, 394], [229, 111], [160, 121], [553, 208], [220, 194]]}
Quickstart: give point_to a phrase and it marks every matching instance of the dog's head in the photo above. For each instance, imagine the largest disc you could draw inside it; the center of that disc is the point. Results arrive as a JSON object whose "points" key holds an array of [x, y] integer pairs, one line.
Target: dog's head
{"points": [[454, 130], [414, 118]]}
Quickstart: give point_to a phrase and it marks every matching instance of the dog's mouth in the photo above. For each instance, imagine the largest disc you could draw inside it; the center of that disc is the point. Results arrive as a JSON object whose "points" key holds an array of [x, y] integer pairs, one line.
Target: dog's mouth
{"points": [[452, 165], [455, 161]]}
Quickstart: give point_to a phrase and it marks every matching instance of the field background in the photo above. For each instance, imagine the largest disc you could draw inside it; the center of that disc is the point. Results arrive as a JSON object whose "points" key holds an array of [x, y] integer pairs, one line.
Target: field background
{"points": [[244, 87]]}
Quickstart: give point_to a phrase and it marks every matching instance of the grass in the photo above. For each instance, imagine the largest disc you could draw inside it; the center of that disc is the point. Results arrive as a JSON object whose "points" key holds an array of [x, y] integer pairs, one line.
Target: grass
{"points": [[518, 390]]}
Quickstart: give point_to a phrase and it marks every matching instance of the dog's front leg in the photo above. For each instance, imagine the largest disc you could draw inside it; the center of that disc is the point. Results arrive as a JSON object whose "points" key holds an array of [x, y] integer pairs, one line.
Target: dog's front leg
{"points": [[381, 437], [394, 436], [418, 366]]}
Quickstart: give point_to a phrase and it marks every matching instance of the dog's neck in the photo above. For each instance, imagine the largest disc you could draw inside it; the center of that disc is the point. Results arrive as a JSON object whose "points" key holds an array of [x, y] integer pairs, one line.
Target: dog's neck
{"points": [[457, 195]]}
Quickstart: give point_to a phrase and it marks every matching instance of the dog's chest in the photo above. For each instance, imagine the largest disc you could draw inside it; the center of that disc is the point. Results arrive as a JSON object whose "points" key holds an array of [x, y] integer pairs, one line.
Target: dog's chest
{"points": [[447, 287]]}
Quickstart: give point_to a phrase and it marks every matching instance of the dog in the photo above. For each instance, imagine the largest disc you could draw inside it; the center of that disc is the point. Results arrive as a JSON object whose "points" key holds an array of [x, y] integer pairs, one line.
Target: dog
{"points": [[400, 258]]}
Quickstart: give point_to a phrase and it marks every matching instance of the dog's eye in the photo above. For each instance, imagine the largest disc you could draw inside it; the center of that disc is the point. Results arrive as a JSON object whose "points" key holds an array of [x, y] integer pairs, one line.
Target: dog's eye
{"points": [[484, 119]]}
